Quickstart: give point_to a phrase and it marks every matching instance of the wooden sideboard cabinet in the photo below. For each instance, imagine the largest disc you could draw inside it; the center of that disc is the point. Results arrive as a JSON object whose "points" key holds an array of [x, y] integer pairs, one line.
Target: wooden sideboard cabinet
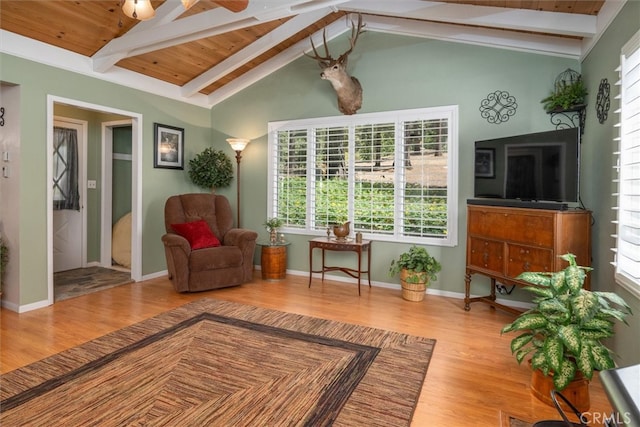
{"points": [[503, 242]]}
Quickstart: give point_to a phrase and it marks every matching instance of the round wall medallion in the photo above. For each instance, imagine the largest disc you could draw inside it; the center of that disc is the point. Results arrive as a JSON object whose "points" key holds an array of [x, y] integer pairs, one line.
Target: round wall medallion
{"points": [[602, 101], [498, 106]]}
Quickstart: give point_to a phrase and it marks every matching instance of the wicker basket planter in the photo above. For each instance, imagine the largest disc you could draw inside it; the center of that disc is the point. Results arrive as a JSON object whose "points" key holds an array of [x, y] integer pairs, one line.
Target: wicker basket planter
{"points": [[412, 291]]}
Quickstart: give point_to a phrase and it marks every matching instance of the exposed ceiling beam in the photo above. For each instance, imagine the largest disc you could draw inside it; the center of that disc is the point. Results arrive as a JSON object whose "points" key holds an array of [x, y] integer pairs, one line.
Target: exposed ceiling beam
{"points": [[569, 24], [536, 43], [266, 42], [166, 32], [297, 50], [36, 51]]}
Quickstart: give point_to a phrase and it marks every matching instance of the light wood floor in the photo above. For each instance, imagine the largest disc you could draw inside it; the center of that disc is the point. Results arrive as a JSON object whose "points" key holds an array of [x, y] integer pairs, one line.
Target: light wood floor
{"points": [[472, 376]]}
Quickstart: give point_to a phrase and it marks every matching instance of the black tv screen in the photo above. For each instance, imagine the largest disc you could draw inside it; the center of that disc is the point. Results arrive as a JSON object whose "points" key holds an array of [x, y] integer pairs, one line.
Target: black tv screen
{"points": [[535, 167]]}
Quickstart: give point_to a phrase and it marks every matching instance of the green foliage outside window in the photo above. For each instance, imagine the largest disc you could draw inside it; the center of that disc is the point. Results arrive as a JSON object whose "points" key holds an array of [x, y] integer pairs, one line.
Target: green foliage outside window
{"points": [[317, 164], [331, 207]]}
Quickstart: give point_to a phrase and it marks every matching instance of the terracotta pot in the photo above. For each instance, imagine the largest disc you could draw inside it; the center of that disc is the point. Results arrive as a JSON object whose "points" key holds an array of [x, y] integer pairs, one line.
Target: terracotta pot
{"points": [[577, 392]]}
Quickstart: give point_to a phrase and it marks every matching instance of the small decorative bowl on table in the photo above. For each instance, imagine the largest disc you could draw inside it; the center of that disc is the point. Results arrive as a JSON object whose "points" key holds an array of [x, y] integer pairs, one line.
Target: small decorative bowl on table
{"points": [[341, 231]]}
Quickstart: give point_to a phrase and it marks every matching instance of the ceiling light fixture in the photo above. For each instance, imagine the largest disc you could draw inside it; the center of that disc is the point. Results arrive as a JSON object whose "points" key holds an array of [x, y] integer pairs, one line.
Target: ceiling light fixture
{"points": [[143, 10], [138, 9], [188, 3]]}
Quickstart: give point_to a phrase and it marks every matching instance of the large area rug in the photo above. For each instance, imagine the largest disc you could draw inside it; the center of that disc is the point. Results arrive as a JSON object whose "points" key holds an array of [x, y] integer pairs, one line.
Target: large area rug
{"points": [[218, 363]]}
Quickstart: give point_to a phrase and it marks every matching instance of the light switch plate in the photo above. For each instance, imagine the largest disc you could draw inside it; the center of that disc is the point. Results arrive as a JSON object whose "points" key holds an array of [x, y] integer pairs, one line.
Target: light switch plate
{"points": [[91, 183]]}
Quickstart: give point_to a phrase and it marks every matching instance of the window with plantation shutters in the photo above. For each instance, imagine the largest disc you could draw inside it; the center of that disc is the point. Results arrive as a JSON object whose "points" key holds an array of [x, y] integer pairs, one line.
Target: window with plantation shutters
{"points": [[392, 174], [627, 250]]}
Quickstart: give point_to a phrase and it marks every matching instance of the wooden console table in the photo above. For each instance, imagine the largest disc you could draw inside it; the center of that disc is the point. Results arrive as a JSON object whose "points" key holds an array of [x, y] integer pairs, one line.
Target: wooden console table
{"points": [[331, 244]]}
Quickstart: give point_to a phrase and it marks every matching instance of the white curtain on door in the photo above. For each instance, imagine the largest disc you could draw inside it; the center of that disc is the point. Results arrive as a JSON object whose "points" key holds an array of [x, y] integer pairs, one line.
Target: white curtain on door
{"points": [[66, 194]]}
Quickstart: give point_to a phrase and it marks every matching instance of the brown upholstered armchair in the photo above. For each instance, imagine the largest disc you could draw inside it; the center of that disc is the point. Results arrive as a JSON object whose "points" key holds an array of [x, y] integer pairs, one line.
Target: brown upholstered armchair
{"points": [[211, 267]]}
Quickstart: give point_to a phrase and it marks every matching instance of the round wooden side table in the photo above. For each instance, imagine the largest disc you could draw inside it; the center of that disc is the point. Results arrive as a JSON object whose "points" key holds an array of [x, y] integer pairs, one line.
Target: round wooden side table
{"points": [[274, 260]]}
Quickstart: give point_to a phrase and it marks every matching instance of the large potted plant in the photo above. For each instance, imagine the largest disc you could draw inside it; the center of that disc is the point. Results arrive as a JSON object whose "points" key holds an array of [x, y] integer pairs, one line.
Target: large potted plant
{"points": [[4, 260], [416, 268], [211, 169], [564, 330]]}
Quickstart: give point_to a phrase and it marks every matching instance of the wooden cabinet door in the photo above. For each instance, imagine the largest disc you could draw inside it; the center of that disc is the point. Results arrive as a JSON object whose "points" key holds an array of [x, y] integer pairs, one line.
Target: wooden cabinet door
{"points": [[528, 258], [486, 254]]}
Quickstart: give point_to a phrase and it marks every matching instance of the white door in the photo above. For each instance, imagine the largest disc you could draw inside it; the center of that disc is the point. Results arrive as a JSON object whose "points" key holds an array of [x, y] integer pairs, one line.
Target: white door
{"points": [[68, 238]]}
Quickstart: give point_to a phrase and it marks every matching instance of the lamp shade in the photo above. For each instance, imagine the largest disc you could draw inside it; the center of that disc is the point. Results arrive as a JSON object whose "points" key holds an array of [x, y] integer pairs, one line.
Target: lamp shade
{"points": [[138, 9], [238, 144], [188, 3]]}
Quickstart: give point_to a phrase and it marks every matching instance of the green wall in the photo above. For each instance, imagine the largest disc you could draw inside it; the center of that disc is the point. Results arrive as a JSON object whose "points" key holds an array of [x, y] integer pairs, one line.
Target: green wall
{"points": [[396, 72], [597, 169], [121, 177], [36, 82]]}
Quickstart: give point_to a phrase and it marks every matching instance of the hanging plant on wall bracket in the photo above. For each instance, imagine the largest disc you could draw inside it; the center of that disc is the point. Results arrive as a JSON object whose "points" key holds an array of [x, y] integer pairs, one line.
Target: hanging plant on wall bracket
{"points": [[211, 169], [569, 92]]}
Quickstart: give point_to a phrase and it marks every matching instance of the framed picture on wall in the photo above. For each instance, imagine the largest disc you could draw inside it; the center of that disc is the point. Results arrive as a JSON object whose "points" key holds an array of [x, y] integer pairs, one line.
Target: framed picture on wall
{"points": [[168, 147], [485, 167]]}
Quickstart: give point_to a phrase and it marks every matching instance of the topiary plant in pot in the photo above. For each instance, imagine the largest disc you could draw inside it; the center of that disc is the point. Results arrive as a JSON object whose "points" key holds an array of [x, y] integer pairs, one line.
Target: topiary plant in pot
{"points": [[211, 169], [563, 332], [416, 268]]}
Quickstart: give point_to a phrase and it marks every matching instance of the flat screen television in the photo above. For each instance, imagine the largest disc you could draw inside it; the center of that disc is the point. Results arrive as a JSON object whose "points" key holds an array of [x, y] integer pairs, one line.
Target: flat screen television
{"points": [[535, 170]]}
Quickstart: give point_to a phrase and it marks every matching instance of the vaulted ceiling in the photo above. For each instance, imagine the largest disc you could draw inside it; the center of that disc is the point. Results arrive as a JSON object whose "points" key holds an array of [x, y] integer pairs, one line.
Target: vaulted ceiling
{"points": [[215, 48]]}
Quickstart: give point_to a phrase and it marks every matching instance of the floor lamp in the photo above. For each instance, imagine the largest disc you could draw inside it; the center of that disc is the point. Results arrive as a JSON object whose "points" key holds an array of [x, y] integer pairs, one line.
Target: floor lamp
{"points": [[238, 144]]}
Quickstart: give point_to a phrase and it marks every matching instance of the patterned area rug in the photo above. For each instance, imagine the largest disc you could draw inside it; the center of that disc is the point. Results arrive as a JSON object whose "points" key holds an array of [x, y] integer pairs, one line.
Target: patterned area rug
{"points": [[82, 281], [225, 364]]}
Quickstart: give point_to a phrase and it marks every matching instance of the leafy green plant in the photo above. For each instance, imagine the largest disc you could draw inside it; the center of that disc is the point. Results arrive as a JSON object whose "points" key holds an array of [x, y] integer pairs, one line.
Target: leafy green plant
{"points": [[211, 169], [272, 224], [332, 203], [565, 96], [565, 328], [4, 259], [418, 262]]}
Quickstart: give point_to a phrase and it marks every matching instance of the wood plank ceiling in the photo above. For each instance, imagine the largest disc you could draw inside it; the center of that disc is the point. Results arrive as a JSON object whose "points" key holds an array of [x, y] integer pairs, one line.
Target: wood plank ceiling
{"points": [[209, 51]]}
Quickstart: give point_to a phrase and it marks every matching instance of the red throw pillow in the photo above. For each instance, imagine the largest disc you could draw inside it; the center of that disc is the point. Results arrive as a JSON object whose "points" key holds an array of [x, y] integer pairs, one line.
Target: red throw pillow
{"points": [[197, 233]]}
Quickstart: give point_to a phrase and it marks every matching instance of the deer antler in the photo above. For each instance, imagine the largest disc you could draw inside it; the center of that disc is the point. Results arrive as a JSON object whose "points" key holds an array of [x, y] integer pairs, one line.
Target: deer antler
{"points": [[325, 60], [348, 88], [322, 60], [355, 32]]}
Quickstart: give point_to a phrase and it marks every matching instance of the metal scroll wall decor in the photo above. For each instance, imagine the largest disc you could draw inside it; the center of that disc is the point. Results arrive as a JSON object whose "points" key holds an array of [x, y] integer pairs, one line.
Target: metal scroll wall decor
{"points": [[1, 116], [498, 107], [602, 101]]}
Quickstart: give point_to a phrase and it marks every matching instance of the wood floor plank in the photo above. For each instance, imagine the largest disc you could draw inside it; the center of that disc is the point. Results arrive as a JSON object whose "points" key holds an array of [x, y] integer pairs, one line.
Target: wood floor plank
{"points": [[471, 378]]}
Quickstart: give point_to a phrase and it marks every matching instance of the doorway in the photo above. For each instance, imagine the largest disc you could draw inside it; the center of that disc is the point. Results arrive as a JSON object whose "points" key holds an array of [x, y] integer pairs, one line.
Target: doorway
{"points": [[132, 120], [116, 195]]}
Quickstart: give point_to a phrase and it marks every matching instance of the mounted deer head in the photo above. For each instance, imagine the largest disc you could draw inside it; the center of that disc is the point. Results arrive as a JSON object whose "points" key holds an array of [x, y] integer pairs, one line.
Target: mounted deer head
{"points": [[347, 88]]}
